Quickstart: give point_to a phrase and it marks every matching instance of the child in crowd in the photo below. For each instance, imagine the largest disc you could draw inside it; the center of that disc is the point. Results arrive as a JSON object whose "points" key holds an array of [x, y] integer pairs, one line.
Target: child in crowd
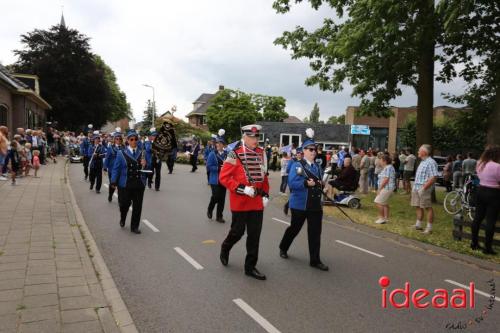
{"points": [[14, 160], [28, 157], [36, 162]]}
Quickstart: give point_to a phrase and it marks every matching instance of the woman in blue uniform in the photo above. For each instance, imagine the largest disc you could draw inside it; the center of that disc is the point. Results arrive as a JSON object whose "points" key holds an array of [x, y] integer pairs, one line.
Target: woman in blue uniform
{"points": [[96, 163], [130, 180], [214, 163], [111, 155]]}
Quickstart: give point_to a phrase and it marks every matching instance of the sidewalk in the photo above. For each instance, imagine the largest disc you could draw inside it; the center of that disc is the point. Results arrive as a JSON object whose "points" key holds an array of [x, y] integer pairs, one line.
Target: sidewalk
{"points": [[48, 279]]}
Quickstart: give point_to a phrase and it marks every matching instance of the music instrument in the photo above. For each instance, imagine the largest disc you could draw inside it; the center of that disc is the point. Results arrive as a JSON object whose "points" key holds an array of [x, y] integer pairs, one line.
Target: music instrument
{"points": [[165, 141]]}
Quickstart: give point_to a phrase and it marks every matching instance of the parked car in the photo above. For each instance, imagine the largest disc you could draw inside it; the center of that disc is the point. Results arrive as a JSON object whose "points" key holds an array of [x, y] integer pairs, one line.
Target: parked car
{"points": [[441, 162]]}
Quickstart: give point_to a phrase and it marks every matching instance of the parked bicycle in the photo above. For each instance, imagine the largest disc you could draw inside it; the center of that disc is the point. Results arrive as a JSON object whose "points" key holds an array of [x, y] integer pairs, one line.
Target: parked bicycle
{"points": [[461, 200]]}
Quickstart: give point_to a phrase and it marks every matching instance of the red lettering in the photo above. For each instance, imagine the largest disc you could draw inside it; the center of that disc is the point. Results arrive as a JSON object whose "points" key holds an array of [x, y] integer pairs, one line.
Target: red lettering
{"points": [[441, 294], [384, 298], [405, 292], [472, 300], [459, 295], [417, 296]]}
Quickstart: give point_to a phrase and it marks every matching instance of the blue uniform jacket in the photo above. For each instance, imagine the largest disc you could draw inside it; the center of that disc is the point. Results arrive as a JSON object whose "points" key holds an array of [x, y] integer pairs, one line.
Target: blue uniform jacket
{"points": [[97, 160], [148, 145], [85, 148], [111, 153], [207, 151], [196, 151], [298, 188], [119, 173], [213, 166]]}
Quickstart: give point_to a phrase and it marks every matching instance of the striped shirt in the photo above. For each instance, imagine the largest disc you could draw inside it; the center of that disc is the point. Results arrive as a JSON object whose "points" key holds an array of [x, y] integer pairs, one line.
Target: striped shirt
{"points": [[388, 172], [253, 162]]}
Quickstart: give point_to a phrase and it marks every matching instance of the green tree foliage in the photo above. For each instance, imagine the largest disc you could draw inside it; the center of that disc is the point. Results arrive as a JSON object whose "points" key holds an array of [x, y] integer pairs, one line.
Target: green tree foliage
{"points": [[231, 109], [80, 87], [336, 120], [314, 116], [471, 38], [376, 47], [148, 116]]}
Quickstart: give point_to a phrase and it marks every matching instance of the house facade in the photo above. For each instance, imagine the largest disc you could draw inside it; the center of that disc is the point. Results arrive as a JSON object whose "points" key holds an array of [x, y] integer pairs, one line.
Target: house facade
{"points": [[20, 102], [198, 117]]}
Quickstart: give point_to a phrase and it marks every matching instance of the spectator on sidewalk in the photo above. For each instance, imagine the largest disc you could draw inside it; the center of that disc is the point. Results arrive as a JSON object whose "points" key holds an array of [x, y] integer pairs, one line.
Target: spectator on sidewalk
{"points": [[3, 166], [363, 172], [28, 158], [409, 170], [378, 168], [386, 186], [447, 173], [285, 159], [487, 198], [3, 154], [371, 170], [36, 162], [457, 172], [468, 167], [396, 163], [425, 178], [14, 160]]}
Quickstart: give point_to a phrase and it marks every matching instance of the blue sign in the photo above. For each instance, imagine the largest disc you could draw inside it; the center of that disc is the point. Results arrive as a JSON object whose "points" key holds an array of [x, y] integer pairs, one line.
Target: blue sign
{"points": [[360, 129]]}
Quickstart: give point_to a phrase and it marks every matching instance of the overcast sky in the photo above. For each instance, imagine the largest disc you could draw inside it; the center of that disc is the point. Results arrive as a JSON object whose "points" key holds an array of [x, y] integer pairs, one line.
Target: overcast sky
{"points": [[187, 47]]}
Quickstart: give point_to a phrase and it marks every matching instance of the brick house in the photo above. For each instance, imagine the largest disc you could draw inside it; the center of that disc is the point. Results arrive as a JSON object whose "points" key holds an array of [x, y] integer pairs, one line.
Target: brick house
{"points": [[20, 102], [198, 117]]}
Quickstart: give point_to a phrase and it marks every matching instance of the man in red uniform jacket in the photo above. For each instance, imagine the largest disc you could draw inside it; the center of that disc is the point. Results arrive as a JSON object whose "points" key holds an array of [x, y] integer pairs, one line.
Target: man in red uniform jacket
{"points": [[245, 176]]}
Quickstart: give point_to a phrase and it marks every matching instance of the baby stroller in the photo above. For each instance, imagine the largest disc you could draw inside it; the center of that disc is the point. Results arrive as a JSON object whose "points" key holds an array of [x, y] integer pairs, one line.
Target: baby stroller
{"points": [[74, 153], [347, 196]]}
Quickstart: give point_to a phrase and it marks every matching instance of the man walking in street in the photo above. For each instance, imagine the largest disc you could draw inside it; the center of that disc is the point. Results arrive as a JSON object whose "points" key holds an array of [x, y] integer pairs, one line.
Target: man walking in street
{"points": [[425, 178], [244, 174]]}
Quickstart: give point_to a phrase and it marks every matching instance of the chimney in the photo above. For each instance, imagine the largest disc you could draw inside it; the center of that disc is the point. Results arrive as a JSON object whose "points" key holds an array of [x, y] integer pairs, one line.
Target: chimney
{"points": [[221, 87]]}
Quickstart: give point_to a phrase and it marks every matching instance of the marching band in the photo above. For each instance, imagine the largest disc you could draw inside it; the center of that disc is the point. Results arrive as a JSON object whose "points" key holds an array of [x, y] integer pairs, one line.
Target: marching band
{"points": [[240, 168]]}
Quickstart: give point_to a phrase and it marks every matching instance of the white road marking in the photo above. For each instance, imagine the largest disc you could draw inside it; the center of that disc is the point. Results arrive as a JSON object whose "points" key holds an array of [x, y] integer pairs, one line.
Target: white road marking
{"points": [[359, 248], [479, 292], [255, 316], [188, 258], [281, 221], [150, 225]]}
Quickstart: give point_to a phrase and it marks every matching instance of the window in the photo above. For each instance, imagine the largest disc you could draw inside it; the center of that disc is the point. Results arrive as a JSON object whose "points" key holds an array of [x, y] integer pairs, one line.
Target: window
{"points": [[288, 139], [261, 137], [3, 115]]}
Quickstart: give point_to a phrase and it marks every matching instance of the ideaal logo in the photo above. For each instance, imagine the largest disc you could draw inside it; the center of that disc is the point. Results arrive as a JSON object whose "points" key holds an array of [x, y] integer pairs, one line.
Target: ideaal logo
{"points": [[422, 298]]}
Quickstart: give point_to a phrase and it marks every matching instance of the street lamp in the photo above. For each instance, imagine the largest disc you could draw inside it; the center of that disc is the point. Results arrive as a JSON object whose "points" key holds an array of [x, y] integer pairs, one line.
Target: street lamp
{"points": [[154, 104]]}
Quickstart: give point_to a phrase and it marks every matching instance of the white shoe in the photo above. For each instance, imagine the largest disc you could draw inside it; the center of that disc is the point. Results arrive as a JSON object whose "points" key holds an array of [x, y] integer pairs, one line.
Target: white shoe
{"points": [[381, 221], [3, 178], [427, 231]]}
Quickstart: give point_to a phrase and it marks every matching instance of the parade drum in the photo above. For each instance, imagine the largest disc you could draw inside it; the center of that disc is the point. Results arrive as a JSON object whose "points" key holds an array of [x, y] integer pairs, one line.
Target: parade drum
{"points": [[165, 141]]}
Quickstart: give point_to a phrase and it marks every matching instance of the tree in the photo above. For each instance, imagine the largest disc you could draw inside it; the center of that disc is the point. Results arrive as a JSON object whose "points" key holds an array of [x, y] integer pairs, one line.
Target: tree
{"points": [[471, 38], [272, 107], [336, 120], [231, 109], [147, 120], [314, 116], [378, 47], [80, 87]]}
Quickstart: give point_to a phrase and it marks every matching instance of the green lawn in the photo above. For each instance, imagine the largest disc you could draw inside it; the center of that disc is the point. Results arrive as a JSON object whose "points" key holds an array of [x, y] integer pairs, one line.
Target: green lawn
{"points": [[402, 218]]}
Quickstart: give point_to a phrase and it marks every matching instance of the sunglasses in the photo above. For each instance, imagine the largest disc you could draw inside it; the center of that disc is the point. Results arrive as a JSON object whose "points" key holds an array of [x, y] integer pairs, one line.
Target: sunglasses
{"points": [[132, 139], [311, 149]]}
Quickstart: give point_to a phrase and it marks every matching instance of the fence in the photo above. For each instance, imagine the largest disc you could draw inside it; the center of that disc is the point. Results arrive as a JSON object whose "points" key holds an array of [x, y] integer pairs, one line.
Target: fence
{"points": [[459, 233]]}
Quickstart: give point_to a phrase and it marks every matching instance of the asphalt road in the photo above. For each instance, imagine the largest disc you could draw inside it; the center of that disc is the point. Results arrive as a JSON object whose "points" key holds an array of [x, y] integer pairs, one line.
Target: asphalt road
{"points": [[168, 292]]}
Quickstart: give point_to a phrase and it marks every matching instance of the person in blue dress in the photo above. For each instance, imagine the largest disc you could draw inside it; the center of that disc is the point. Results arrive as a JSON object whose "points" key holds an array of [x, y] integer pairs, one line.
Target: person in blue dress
{"points": [[96, 162], [306, 186], [129, 179], [111, 154], [215, 160]]}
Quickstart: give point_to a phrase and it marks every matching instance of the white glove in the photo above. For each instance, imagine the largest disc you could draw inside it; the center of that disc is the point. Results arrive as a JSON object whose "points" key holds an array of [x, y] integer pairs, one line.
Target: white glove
{"points": [[250, 191], [265, 201]]}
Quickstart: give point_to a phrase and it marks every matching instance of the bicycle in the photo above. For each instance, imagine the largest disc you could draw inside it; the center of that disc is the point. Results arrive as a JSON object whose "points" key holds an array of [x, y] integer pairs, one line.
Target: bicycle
{"points": [[461, 199]]}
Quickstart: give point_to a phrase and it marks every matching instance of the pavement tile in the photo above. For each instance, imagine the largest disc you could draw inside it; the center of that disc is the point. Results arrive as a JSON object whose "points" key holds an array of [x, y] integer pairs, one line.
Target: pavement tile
{"points": [[40, 289], [8, 307], [40, 279], [74, 291], [69, 265], [35, 270], [41, 262], [40, 300], [11, 295], [16, 258], [8, 322], [76, 316], [69, 272], [78, 302], [83, 327], [45, 326], [41, 255], [39, 314], [11, 284], [12, 266], [123, 318], [16, 274], [71, 281]]}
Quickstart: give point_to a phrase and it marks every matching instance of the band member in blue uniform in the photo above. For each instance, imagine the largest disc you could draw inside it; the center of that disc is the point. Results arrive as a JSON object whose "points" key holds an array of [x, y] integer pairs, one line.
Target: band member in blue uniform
{"points": [[130, 180], [206, 153], [153, 161], [305, 181], [111, 154], [297, 157], [194, 155], [214, 164], [96, 163], [85, 151]]}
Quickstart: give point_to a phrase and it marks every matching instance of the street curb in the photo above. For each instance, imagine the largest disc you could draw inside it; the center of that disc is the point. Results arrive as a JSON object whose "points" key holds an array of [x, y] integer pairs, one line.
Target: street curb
{"points": [[416, 245], [119, 311]]}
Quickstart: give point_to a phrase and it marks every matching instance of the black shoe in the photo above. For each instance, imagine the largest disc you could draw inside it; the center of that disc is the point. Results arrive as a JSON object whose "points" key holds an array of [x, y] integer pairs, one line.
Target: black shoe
{"points": [[97, 191], [320, 266], [255, 274], [475, 246], [122, 223], [283, 254], [489, 251], [91, 187], [209, 214], [136, 231], [220, 220], [224, 257], [149, 185], [285, 209], [157, 189], [110, 197], [170, 172]]}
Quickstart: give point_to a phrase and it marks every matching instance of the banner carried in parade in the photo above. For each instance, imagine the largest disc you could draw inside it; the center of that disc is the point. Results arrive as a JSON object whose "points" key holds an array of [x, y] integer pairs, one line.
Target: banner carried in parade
{"points": [[166, 140]]}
